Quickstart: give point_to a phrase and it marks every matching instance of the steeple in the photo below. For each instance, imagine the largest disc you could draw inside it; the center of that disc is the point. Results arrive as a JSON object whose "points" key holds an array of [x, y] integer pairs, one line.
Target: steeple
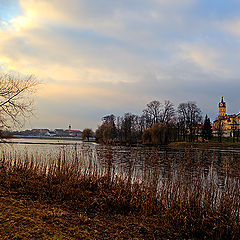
{"points": [[222, 108]]}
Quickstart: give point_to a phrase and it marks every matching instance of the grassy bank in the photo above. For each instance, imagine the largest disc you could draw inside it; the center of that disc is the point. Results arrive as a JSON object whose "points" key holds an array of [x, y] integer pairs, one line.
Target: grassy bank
{"points": [[69, 197], [224, 144], [27, 219]]}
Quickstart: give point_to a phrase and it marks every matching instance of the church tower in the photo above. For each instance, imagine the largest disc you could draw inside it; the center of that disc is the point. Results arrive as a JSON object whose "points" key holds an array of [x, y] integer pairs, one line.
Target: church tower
{"points": [[222, 108]]}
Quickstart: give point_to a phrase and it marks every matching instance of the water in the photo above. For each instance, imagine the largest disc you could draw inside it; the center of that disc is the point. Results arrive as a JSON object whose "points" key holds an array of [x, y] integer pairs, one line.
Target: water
{"points": [[137, 161]]}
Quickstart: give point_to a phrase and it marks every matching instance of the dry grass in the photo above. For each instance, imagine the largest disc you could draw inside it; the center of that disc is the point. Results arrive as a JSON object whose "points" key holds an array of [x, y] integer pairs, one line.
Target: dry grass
{"points": [[182, 202]]}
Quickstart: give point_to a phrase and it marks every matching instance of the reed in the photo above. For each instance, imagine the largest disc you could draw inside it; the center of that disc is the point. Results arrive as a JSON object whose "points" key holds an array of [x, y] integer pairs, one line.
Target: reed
{"points": [[182, 199]]}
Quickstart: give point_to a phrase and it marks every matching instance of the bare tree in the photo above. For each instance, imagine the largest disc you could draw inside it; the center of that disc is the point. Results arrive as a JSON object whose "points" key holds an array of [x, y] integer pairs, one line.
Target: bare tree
{"points": [[128, 131], [168, 112], [109, 119], [16, 99], [157, 112], [153, 111], [189, 116]]}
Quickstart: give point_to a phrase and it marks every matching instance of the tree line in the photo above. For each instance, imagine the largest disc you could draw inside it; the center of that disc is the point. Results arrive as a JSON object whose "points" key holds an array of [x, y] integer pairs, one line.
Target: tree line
{"points": [[159, 123]]}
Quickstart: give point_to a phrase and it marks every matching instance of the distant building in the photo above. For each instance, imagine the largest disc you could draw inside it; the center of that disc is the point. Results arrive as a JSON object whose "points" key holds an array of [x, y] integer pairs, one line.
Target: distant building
{"points": [[59, 132], [226, 123], [65, 133], [39, 132]]}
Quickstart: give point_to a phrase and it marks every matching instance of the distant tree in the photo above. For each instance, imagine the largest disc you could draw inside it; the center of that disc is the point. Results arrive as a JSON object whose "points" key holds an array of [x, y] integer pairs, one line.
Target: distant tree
{"points": [[157, 112], [159, 133], [109, 119], [152, 112], [189, 115], [234, 129], [139, 127], [168, 112], [172, 131], [207, 129], [106, 132], [220, 129], [99, 134], [128, 128], [87, 133], [16, 99], [146, 136], [110, 126]]}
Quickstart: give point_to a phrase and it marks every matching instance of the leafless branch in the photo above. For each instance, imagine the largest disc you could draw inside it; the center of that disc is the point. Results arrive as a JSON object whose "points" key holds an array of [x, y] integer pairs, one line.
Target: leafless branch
{"points": [[16, 98]]}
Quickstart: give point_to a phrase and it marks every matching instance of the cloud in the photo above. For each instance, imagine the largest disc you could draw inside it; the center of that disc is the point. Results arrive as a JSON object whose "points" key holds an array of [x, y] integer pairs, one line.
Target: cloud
{"points": [[102, 56], [231, 26], [203, 56]]}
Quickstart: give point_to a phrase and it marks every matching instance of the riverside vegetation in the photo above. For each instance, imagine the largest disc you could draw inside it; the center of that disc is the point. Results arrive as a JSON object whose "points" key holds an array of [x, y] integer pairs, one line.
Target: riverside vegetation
{"points": [[160, 123], [84, 194]]}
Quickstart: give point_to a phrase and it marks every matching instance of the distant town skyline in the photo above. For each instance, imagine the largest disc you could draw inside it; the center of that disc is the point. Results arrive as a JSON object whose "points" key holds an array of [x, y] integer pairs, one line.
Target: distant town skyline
{"points": [[100, 57]]}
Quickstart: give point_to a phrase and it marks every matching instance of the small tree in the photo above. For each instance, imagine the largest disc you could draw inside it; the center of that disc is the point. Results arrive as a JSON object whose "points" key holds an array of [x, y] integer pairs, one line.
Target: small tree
{"points": [[207, 129], [87, 133]]}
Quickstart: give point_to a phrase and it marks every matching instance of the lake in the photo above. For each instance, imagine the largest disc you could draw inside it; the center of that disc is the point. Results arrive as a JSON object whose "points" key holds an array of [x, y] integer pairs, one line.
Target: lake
{"points": [[138, 161]]}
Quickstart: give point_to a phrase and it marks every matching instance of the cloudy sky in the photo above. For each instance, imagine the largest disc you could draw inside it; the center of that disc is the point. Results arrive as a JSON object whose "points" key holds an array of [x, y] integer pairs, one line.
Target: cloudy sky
{"points": [[97, 57]]}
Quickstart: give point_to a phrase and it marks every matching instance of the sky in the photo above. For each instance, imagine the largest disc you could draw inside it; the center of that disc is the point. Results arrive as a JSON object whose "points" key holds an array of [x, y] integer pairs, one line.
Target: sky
{"points": [[99, 57]]}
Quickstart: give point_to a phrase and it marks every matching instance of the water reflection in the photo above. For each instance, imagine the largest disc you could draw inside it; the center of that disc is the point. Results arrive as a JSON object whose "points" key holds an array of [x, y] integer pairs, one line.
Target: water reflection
{"points": [[140, 162]]}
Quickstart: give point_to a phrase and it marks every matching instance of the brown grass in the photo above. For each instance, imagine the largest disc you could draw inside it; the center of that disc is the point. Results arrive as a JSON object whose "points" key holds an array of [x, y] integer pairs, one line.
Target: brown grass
{"points": [[182, 201]]}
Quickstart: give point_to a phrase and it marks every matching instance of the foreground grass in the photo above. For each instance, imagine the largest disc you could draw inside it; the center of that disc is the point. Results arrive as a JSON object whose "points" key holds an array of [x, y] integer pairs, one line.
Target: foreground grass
{"points": [[71, 198], [27, 219]]}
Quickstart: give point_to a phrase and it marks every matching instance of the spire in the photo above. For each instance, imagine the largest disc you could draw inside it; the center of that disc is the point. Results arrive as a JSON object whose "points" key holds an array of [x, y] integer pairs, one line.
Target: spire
{"points": [[222, 100]]}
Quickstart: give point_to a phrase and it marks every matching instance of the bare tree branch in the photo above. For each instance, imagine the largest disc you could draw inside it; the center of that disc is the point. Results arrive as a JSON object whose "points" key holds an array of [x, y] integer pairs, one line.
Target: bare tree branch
{"points": [[16, 98]]}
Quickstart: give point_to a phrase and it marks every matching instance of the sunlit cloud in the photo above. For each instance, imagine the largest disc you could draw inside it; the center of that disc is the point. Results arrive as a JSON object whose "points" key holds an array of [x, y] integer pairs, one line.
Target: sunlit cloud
{"points": [[206, 58], [115, 56], [231, 26]]}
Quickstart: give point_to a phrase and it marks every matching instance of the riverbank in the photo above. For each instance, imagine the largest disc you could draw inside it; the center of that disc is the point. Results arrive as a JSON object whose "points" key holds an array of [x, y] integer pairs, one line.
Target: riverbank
{"points": [[226, 144], [23, 218]]}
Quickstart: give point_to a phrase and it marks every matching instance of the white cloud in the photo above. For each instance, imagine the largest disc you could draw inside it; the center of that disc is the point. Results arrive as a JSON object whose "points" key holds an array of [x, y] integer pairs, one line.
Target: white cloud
{"points": [[109, 54], [203, 56]]}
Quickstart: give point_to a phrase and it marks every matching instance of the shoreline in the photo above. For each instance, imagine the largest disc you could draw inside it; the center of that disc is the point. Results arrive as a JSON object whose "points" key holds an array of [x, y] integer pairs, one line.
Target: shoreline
{"points": [[8, 139], [46, 137], [170, 145], [204, 145]]}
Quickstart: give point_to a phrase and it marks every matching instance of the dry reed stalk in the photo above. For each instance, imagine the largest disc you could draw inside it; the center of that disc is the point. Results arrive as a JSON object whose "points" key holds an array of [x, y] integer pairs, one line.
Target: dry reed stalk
{"points": [[191, 203]]}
